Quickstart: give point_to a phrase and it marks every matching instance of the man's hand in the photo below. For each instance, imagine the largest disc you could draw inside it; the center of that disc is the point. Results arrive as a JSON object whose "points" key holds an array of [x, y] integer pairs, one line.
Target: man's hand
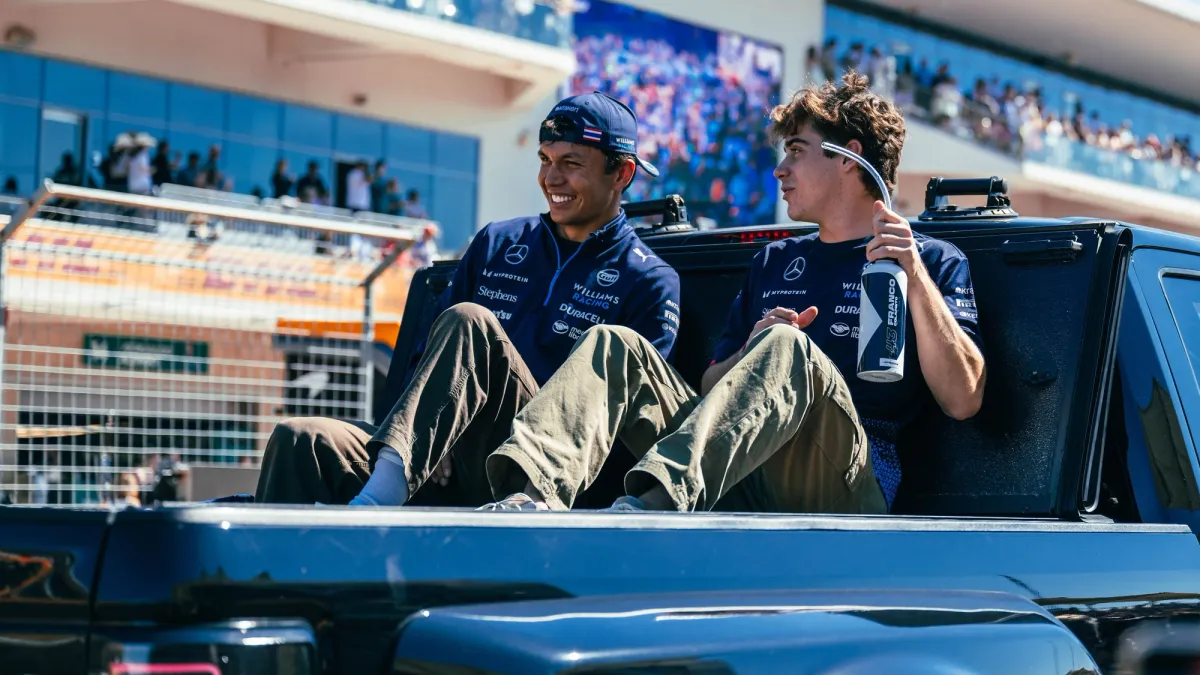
{"points": [[894, 239], [800, 320], [779, 315]]}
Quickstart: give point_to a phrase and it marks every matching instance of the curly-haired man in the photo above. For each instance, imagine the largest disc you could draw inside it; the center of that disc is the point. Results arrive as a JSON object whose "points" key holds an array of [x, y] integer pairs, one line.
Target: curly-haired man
{"points": [[782, 422]]}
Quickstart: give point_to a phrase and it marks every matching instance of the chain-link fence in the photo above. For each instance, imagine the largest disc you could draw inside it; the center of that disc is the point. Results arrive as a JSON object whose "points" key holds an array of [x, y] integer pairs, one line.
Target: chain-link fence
{"points": [[143, 334]]}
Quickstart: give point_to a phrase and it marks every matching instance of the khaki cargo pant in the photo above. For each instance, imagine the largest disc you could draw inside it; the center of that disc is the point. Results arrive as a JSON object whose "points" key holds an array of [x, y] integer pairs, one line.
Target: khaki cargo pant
{"points": [[777, 434], [467, 388]]}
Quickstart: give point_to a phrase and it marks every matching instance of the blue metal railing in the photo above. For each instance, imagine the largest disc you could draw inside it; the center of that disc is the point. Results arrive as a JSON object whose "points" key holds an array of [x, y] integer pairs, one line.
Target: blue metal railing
{"points": [[1119, 166]]}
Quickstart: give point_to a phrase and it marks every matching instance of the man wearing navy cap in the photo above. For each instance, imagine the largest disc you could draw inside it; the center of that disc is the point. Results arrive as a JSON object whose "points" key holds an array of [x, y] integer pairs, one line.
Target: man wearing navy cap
{"points": [[523, 293]]}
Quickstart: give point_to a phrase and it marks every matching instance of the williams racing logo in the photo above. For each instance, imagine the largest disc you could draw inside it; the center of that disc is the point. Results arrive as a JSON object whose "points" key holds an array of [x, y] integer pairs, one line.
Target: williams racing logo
{"points": [[586, 296]]}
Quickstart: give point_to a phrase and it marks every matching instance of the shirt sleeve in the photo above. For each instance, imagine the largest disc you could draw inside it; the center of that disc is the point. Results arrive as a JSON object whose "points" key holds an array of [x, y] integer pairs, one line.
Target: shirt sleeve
{"points": [[740, 321], [463, 282], [654, 310], [953, 279]]}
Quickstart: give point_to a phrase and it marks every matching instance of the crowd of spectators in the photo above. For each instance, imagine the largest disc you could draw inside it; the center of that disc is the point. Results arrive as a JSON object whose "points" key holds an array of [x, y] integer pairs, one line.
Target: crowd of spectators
{"points": [[701, 118], [1015, 119], [130, 167]]}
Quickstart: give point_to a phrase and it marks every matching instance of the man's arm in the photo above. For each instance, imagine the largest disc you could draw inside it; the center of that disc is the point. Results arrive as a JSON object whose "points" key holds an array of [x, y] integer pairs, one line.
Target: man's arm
{"points": [[950, 360]]}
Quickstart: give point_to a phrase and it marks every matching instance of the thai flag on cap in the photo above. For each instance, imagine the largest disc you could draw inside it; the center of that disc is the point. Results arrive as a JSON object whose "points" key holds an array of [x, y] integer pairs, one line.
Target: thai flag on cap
{"points": [[591, 134]]}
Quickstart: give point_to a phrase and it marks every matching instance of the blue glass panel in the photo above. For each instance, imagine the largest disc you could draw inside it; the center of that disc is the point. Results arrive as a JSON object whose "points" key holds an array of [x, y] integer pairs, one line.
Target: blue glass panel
{"points": [[409, 145], [187, 141], [359, 137], [18, 135], [414, 180], [254, 117], [307, 127], [20, 76], [197, 107], [456, 153], [76, 86], [96, 139], [249, 166], [453, 205], [137, 97]]}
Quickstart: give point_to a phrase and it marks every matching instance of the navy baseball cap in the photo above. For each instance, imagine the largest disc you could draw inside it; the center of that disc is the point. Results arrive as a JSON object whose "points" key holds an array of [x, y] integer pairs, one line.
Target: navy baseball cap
{"points": [[599, 121]]}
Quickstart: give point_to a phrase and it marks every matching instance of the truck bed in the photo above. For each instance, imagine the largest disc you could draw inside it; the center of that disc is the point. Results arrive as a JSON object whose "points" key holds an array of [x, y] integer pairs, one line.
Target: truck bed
{"points": [[360, 574]]}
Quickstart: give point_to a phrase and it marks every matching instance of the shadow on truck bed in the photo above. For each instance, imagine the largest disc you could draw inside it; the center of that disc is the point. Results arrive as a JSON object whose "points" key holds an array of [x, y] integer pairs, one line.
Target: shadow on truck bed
{"points": [[1046, 292]]}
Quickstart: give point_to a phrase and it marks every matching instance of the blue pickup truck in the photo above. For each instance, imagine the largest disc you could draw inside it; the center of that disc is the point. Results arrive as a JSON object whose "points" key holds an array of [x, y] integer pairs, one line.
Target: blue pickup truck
{"points": [[1055, 532]]}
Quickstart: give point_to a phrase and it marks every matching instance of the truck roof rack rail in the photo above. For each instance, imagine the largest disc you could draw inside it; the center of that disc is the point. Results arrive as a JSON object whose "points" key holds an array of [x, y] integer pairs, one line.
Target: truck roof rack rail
{"points": [[671, 209], [937, 207]]}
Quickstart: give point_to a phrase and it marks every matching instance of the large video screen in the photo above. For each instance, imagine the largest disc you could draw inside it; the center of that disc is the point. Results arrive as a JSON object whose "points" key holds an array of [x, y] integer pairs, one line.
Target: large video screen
{"points": [[701, 97]]}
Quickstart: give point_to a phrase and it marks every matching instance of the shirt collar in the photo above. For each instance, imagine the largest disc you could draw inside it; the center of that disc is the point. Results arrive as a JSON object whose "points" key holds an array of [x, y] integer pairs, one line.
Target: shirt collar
{"points": [[614, 230]]}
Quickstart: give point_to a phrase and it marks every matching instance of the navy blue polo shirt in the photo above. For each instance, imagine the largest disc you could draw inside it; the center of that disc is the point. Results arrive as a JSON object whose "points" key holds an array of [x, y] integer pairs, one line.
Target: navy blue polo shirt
{"points": [[546, 295], [803, 272]]}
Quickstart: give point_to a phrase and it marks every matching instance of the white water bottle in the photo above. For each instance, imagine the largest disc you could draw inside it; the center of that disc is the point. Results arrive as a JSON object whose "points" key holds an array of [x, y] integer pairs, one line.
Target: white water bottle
{"points": [[883, 303]]}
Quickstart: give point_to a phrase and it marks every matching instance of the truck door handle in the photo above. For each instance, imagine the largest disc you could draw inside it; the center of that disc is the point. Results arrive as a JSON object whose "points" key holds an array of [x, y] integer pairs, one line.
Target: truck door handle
{"points": [[1042, 250]]}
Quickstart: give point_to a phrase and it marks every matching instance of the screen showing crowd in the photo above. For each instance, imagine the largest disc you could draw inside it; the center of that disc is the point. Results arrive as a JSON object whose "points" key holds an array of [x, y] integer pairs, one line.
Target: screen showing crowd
{"points": [[701, 97]]}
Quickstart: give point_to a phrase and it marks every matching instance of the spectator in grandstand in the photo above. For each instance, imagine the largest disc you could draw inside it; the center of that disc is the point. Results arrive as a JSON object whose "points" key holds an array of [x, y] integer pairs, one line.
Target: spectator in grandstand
{"points": [[393, 201], [311, 189], [813, 72], [10, 186], [379, 183], [140, 172], [189, 175], [210, 174], [67, 172], [281, 180], [423, 253], [829, 59], [512, 314], [358, 188], [413, 208], [853, 59], [116, 164], [164, 169], [880, 69]]}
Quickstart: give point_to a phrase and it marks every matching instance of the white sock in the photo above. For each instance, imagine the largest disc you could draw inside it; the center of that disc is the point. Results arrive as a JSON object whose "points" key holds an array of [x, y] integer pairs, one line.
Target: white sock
{"points": [[387, 486]]}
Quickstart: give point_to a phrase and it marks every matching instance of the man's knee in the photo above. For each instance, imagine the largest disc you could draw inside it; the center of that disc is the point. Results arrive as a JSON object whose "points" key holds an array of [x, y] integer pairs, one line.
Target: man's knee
{"points": [[467, 314], [787, 336], [295, 431], [605, 334]]}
